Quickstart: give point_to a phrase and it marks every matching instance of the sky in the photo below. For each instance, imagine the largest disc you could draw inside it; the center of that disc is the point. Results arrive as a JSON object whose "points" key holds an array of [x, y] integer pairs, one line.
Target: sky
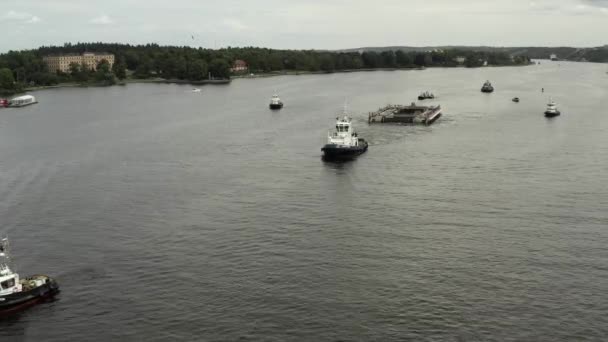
{"points": [[304, 24]]}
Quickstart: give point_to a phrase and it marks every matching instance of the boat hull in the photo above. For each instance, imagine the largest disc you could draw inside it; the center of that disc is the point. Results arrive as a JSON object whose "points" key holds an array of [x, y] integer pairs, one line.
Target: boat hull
{"points": [[21, 300], [487, 90], [336, 152], [276, 105], [552, 114]]}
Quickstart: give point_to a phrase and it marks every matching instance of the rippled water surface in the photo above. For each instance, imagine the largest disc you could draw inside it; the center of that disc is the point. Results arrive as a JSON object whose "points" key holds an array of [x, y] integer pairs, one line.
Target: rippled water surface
{"points": [[169, 215]]}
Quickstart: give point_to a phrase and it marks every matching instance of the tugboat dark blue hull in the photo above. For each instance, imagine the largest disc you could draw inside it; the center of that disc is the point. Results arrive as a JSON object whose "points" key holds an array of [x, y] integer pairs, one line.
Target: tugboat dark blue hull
{"points": [[21, 300], [552, 114], [487, 90], [276, 105], [336, 152]]}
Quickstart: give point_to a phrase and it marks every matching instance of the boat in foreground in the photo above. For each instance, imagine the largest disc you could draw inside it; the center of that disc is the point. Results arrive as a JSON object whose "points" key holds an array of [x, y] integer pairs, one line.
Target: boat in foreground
{"points": [[487, 87], [344, 143], [551, 110], [275, 102], [17, 294]]}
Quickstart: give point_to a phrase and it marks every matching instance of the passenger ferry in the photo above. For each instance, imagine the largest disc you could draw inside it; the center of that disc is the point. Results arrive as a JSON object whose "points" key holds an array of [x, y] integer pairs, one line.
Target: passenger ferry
{"points": [[22, 101], [17, 294]]}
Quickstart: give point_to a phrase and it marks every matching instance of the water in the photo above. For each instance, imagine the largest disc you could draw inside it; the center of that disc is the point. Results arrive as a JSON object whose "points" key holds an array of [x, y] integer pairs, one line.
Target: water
{"points": [[169, 215]]}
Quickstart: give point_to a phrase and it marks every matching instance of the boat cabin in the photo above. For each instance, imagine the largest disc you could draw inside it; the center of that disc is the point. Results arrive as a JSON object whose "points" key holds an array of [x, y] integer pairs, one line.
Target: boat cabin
{"points": [[9, 281], [344, 135]]}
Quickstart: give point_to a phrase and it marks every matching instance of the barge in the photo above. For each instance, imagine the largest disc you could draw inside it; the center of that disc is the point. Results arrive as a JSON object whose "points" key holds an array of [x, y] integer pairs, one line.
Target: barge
{"points": [[412, 114]]}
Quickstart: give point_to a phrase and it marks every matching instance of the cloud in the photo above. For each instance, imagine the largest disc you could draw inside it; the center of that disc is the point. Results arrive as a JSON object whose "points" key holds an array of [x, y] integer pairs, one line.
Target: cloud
{"points": [[34, 19], [102, 20], [235, 24], [20, 17]]}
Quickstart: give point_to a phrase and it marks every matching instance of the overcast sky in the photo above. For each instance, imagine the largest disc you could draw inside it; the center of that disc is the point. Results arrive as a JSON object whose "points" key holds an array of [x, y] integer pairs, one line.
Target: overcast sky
{"points": [[297, 24]]}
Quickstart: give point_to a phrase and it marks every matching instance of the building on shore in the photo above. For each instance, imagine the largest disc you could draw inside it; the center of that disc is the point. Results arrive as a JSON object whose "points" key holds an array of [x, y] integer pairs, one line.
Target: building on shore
{"points": [[239, 66], [460, 59], [62, 62]]}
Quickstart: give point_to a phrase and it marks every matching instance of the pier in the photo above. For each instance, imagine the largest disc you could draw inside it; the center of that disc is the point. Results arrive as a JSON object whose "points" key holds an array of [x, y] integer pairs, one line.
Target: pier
{"points": [[412, 114]]}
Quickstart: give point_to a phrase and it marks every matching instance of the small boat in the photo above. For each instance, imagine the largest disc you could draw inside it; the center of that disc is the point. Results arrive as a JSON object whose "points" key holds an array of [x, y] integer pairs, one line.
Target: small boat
{"points": [[22, 101], [426, 95], [196, 90], [487, 87], [515, 99], [344, 143], [275, 102], [551, 110], [17, 294]]}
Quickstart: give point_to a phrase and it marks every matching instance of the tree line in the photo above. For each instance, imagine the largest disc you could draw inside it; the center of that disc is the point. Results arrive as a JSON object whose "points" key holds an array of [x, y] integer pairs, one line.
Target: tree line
{"points": [[26, 68]]}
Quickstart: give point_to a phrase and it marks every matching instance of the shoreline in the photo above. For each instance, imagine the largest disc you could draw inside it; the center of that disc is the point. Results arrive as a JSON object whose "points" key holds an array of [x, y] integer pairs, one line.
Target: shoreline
{"points": [[242, 76]]}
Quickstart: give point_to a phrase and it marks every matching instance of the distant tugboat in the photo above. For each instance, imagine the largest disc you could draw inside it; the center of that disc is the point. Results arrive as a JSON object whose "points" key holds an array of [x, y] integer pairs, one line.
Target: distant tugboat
{"points": [[344, 143], [487, 87], [515, 99], [551, 110], [275, 102], [17, 294], [426, 95]]}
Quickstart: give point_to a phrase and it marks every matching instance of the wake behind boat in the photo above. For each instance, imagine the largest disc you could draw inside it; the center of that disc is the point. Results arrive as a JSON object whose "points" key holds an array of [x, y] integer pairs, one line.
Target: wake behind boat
{"points": [[344, 143], [17, 294]]}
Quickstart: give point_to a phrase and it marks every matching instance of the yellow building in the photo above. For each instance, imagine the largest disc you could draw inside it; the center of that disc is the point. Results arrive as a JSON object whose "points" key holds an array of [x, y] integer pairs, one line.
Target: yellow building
{"points": [[62, 62]]}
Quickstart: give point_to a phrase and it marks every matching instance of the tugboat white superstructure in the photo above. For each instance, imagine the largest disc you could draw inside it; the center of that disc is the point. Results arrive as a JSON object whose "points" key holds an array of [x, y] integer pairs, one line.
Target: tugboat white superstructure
{"points": [[344, 143], [17, 294], [551, 110], [275, 102]]}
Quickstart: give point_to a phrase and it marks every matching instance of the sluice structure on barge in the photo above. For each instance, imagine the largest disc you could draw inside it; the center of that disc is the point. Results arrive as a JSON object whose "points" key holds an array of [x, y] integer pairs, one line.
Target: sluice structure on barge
{"points": [[412, 114]]}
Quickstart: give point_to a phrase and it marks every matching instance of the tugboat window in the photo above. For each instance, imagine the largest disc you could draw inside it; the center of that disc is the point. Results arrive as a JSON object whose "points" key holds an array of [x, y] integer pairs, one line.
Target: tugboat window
{"points": [[8, 283]]}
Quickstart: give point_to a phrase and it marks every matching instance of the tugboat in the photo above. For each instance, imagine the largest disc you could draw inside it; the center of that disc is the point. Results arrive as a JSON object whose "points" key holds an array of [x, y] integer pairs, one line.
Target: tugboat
{"points": [[426, 95], [344, 143], [551, 110], [275, 102], [487, 87], [17, 294], [515, 99]]}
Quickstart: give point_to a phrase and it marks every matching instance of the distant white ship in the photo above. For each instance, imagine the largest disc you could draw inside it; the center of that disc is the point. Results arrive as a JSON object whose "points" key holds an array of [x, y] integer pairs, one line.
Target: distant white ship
{"points": [[22, 101]]}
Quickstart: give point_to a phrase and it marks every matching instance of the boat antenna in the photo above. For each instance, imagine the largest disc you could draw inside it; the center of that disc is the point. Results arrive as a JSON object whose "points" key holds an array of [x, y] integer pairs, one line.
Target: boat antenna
{"points": [[345, 107]]}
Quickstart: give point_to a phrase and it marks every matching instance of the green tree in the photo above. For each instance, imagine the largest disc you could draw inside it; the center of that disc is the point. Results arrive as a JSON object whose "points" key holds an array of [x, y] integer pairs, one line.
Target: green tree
{"points": [[219, 68], [388, 59], [103, 73], [120, 69], [74, 70], [197, 70], [7, 80], [326, 63], [402, 59]]}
